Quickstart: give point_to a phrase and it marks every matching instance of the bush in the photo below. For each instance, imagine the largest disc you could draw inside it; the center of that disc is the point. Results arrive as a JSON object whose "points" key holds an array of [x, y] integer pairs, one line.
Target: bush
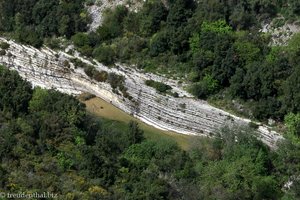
{"points": [[4, 45], [253, 125], [86, 96], [80, 39], [2, 52], [115, 80], [53, 43], [160, 87], [205, 87], [158, 44], [105, 55], [86, 50], [100, 76]]}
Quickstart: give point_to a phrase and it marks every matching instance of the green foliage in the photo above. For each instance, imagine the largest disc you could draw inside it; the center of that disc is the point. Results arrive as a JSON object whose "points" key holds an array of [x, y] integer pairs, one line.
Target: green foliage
{"points": [[100, 76], [49, 143], [135, 133], [117, 83], [95, 74], [53, 43], [33, 20], [287, 164], [291, 95], [236, 167], [15, 100], [64, 162], [112, 25], [160, 87], [219, 27], [179, 12], [105, 54], [151, 15], [80, 39], [247, 52], [194, 43], [4, 45], [292, 122], [158, 43], [178, 37], [207, 86]]}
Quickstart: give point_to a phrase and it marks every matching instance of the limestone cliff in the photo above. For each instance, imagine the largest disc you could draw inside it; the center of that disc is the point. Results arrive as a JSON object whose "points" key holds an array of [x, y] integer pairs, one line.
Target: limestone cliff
{"points": [[50, 69]]}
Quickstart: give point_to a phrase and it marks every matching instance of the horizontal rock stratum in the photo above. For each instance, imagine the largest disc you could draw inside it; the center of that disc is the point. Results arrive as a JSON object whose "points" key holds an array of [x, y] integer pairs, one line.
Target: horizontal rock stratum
{"points": [[186, 115]]}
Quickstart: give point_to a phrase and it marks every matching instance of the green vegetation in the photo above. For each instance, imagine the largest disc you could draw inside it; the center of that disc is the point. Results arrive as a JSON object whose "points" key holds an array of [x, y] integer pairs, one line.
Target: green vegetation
{"points": [[30, 21], [4, 45], [48, 142], [116, 81], [160, 87], [205, 87], [216, 44], [100, 76]]}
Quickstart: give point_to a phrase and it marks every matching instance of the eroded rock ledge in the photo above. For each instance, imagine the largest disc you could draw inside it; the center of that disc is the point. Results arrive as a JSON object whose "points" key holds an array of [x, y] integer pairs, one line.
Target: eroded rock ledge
{"points": [[186, 115]]}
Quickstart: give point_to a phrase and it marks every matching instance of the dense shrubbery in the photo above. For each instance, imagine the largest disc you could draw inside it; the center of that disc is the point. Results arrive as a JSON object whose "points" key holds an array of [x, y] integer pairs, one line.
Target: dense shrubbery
{"points": [[4, 45], [160, 87], [31, 21], [100, 76]]}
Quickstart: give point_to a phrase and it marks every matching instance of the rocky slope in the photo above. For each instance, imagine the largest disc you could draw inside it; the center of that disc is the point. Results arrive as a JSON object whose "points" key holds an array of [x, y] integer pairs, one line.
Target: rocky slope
{"points": [[98, 8], [280, 33], [186, 115]]}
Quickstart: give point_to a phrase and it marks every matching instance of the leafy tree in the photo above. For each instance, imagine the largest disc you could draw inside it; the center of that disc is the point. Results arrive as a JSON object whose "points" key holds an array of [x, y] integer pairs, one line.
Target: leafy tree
{"points": [[194, 42], [80, 39], [160, 87], [292, 122], [219, 27], [33, 20], [135, 134], [15, 100], [113, 23], [152, 14], [205, 87], [179, 12], [158, 43], [291, 97], [105, 54]]}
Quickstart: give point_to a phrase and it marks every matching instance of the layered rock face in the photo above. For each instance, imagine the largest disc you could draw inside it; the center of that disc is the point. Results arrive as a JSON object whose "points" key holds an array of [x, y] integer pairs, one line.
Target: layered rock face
{"points": [[185, 114]]}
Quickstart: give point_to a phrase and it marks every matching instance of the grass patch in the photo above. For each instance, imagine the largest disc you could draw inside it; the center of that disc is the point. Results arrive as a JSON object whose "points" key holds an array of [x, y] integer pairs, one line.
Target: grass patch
{"points": [[115, 117]]}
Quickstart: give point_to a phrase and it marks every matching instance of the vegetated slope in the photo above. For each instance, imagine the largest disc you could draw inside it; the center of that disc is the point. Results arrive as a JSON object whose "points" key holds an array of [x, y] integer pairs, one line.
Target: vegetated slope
{"points": [[164, 105], [49, 144], [215, 45]]}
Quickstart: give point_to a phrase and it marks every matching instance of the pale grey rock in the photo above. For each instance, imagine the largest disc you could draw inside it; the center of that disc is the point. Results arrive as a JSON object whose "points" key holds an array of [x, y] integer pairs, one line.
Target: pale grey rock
{"points": [[281, 35], [186, 114], [96, 11]]}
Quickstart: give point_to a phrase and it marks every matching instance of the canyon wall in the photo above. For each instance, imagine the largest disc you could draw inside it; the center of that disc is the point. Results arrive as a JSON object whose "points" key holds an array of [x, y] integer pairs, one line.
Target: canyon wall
{"points": [[186, 115]]}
